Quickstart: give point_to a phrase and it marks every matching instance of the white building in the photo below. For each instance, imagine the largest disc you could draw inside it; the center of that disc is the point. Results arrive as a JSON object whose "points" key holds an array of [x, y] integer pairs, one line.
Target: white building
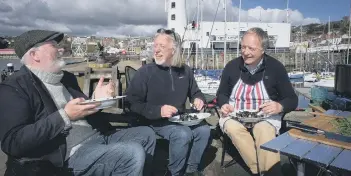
{"points": [[279, 33]]}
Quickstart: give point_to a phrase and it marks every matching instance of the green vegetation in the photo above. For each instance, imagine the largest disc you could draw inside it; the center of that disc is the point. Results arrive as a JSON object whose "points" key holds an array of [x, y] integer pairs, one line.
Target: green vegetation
{"points": [[343, 126]]}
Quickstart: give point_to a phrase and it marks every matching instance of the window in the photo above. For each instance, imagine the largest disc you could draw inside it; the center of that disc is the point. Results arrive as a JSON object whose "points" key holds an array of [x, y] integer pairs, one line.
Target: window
{"points": [[207, 33], [173, 5], [173, 29], [173, 17]]}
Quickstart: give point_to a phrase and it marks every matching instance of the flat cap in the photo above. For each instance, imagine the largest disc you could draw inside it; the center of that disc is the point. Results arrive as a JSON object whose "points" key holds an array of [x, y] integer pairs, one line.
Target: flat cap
{"points": [[27, 40]]}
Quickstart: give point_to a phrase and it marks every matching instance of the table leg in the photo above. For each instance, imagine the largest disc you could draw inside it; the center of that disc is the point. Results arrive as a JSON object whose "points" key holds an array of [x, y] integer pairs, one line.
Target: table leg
{"points": [[300, 168]]}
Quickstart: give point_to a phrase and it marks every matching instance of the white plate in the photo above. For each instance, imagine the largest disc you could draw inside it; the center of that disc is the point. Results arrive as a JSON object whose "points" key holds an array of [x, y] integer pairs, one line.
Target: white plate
{"points": [[200, 116], [105, 102]]}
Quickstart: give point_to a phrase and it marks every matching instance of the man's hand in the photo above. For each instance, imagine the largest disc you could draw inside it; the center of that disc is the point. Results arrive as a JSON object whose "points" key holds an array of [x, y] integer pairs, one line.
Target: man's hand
{"points": [[227, 109], [75, 111], [271, 108], [104, 91], [167, 111], [198, 103]]}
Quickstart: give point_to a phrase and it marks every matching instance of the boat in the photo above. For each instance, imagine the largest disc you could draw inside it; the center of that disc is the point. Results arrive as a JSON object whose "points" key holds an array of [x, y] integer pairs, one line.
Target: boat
{"points": [[310, 77], [295, 74], [327, 75], [207, 85]]}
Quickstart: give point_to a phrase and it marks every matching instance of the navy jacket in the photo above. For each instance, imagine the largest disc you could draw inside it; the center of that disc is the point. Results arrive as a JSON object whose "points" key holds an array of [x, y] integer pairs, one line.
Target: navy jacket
{"points": [[275, 79], [30, 124], [154, 86]]}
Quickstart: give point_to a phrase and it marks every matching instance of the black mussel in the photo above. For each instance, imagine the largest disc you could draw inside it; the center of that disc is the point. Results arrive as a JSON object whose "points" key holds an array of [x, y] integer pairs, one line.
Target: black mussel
{"points": [[182, 117], [193, 117]]}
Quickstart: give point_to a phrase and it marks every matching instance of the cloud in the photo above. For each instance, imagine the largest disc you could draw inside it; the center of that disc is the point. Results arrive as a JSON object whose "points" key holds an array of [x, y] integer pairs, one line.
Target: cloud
{"points": [[4, 8], [119, 17]]}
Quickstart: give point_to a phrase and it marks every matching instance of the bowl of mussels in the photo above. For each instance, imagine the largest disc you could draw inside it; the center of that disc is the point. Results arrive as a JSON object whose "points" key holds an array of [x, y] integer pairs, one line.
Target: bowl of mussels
{"points": [[248, 116], [189, 119]]}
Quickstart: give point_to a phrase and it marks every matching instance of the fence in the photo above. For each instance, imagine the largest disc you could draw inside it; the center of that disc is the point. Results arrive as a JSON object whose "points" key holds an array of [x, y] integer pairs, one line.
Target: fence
{"points": [[214, 59]]}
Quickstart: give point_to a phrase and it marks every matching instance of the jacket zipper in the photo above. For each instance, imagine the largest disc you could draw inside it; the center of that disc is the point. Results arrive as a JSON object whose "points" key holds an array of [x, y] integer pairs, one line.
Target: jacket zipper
{"points": [[170, 72]]}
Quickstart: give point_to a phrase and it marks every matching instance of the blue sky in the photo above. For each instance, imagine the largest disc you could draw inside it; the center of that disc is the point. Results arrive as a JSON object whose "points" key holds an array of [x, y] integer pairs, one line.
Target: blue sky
{"points": [[320, 9]]}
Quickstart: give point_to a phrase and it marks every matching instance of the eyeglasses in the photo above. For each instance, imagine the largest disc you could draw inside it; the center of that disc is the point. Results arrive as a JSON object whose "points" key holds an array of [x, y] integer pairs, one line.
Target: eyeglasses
{"points": [[167, 31]]}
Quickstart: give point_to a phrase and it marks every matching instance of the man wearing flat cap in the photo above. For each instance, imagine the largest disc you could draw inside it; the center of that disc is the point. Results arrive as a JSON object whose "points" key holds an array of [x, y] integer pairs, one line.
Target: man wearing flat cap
{"points": [[45, 130]]}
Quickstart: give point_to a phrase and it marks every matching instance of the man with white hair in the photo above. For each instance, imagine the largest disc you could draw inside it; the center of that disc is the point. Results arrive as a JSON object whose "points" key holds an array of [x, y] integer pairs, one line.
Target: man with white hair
{"points": [[44, 128], [255, 82], [159, 91]]}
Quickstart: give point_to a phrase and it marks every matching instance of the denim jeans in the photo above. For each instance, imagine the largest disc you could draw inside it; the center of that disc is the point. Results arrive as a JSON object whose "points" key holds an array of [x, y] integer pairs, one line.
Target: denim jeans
{"points": [[181, 139], [121, 153]]}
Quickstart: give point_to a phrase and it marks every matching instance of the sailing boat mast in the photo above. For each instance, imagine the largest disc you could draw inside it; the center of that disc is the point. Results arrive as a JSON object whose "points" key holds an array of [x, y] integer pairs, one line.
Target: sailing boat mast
{"points": [[287, 11], [328, 39], [237, 46], [348, 39], [225, 34], [201, 39], [301, 46], [197, 34]]}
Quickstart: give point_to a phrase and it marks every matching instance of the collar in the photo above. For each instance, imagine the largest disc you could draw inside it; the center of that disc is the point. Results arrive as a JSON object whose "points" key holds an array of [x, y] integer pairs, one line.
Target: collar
{"points": [[261, 66], [254, 69], [47, 77]]}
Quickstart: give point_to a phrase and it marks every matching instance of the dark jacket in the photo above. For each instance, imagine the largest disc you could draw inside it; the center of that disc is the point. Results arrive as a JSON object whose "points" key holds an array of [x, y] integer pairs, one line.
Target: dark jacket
{"points": [[154, 86], [275, 79], [30, 124]]}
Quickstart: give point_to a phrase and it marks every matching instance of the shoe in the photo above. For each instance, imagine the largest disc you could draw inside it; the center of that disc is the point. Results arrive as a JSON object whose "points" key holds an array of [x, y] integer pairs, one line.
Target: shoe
{"points": [[197, 173]]}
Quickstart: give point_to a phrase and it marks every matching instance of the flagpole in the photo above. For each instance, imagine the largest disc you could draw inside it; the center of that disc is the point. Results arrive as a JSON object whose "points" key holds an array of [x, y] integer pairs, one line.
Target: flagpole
{"points": [[238, 44]]}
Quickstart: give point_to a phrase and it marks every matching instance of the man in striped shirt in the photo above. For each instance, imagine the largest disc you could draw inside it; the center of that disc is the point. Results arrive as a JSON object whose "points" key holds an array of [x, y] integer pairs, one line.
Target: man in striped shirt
{"points": [[255, 82]]}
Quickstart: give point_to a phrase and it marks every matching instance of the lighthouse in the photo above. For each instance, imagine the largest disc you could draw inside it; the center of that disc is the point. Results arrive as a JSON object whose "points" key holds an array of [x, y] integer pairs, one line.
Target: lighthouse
{"points": [[176, 19]]}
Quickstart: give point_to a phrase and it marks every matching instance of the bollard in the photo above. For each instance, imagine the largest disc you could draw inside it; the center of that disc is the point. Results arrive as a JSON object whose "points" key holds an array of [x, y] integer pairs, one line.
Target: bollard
{"points": [[143, 61], [10, 68]]}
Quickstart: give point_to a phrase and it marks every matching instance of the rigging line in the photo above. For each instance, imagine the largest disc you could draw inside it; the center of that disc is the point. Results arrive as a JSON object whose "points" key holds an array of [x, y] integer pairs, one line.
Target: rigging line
{"points": [[209, 36], [214, 19], [186, 28]]}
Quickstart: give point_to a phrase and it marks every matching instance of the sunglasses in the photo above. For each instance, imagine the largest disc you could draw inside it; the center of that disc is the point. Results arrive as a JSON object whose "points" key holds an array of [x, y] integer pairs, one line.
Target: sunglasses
{"points": [[167, 31]]}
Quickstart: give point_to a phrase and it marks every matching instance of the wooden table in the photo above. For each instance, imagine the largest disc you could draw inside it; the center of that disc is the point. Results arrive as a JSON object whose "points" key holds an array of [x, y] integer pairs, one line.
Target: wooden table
{"points": [[329, 157], [316, 108]]}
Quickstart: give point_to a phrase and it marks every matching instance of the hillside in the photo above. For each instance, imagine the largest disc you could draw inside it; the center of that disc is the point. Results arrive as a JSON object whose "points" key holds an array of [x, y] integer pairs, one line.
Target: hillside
{"points": [[337, 29]]}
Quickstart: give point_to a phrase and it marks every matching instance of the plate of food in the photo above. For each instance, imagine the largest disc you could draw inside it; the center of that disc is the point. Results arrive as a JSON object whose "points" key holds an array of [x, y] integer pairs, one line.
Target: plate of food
{"points": [[248, 115], [104, 102], [189, 119]]}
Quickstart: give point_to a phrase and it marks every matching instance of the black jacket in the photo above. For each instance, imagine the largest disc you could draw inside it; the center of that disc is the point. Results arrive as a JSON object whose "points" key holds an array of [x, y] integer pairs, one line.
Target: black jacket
{"points": [[275, 79], [154, 86], [30, 124]]}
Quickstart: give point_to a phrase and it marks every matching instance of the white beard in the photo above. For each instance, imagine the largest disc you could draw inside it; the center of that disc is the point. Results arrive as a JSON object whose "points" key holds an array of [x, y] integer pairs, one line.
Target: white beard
{"points": [[57, 65], [162, 62]]}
